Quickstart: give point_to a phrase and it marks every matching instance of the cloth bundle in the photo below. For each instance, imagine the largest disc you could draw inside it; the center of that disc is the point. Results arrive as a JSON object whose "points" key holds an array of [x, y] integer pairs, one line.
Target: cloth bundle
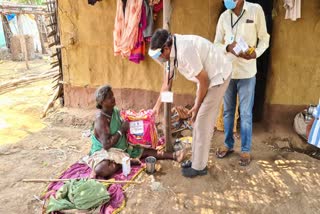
{"points": [[79, 194]]}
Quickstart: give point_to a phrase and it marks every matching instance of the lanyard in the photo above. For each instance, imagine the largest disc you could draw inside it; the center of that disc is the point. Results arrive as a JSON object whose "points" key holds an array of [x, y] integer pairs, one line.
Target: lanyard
{"points": [[175, 61], [232, 25]]}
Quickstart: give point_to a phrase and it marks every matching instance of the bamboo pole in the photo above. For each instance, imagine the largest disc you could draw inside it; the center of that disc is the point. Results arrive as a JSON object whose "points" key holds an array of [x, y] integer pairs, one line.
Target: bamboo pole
{"points": [[18, 11], [9, 7], [65, 180], [7, 4]]}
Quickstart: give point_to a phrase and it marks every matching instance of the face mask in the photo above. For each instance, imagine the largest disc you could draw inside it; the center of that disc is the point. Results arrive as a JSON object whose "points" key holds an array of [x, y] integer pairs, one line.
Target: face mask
{"points": [[230, 4]]}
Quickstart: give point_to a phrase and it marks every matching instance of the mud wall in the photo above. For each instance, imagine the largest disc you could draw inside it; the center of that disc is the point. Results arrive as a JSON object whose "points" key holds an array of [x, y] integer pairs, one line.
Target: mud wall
{"points": [[88, 59], [294, 80], [295, 64]]}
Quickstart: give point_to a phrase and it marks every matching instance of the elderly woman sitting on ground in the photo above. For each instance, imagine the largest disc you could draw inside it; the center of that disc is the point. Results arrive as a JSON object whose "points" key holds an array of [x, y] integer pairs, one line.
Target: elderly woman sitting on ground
{"points": [[109, 142]]}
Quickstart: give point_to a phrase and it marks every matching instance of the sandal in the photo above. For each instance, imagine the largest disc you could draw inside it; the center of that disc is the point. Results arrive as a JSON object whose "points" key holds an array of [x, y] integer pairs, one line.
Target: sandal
{"points": [[223, 152], [179, 155], [245, 159]]}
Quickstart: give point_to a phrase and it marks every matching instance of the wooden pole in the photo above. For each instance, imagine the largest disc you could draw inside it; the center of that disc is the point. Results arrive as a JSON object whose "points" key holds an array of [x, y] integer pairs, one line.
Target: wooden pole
{"points": [[65, 180], [43, 48], [6, 30], [23, 41], [167, 10], [167, 106]]}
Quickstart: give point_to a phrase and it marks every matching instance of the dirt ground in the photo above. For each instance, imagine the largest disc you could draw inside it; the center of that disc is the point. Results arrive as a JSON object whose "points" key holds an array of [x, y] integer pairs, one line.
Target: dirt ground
{"points": [[279, 180]]}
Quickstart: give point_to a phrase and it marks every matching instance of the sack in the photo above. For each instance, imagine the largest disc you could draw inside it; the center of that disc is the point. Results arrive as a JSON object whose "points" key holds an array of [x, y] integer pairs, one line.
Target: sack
{"points": [[142, 129]]}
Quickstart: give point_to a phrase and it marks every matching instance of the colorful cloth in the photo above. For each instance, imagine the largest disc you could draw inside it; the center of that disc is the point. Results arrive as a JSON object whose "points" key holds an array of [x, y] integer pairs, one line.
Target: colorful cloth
{"points": [[80, 170], [314, 136], [138, 53], [158, 7], [126, 27], [10, 16], [147, 32], [79, 194], [142, 130]]}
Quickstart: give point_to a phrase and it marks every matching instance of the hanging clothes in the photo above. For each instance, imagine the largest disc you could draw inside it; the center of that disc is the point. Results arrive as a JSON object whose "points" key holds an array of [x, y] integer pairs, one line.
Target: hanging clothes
{"points": [[126, 27], [138, 53], [149, 18], [293, 9], [157, 7]]}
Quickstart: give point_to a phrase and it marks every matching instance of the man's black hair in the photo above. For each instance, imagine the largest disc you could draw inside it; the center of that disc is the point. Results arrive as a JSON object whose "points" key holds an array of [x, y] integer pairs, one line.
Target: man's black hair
{"points": [[159, 38]]}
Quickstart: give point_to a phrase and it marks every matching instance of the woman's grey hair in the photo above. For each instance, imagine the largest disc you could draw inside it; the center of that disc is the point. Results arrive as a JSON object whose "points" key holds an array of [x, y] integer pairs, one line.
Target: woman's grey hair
{"points": [[101, 94]]}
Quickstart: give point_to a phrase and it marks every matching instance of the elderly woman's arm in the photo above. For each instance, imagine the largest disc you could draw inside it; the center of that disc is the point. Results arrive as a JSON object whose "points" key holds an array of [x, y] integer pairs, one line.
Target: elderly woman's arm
{"points": [[102, 132]]}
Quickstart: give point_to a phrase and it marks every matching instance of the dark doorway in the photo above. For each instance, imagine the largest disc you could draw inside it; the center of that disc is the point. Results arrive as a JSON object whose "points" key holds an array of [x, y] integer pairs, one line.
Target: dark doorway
{"points": [[262, 64]]}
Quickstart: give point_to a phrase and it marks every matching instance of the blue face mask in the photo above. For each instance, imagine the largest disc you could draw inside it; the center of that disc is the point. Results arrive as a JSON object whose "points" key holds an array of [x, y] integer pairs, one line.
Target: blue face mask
{"points": [[230, 4]]}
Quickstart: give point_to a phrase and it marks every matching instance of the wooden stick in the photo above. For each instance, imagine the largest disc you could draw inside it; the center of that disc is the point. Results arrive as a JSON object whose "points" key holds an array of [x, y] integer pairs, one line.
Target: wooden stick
{"points": [[8, 4], [13, 84], [16, 11], [65, 180], [167, 106], [51, 101]]}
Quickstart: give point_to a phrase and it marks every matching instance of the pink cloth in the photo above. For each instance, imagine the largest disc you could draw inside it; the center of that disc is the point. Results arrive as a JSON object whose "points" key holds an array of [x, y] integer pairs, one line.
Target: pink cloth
{"points": [[137, 54], [142, 130], [80, 170], [158, 7], [126, 27]]}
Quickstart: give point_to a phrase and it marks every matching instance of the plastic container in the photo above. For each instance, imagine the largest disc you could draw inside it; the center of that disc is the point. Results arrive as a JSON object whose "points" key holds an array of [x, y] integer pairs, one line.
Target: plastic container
{"points": [[126, 167]]}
